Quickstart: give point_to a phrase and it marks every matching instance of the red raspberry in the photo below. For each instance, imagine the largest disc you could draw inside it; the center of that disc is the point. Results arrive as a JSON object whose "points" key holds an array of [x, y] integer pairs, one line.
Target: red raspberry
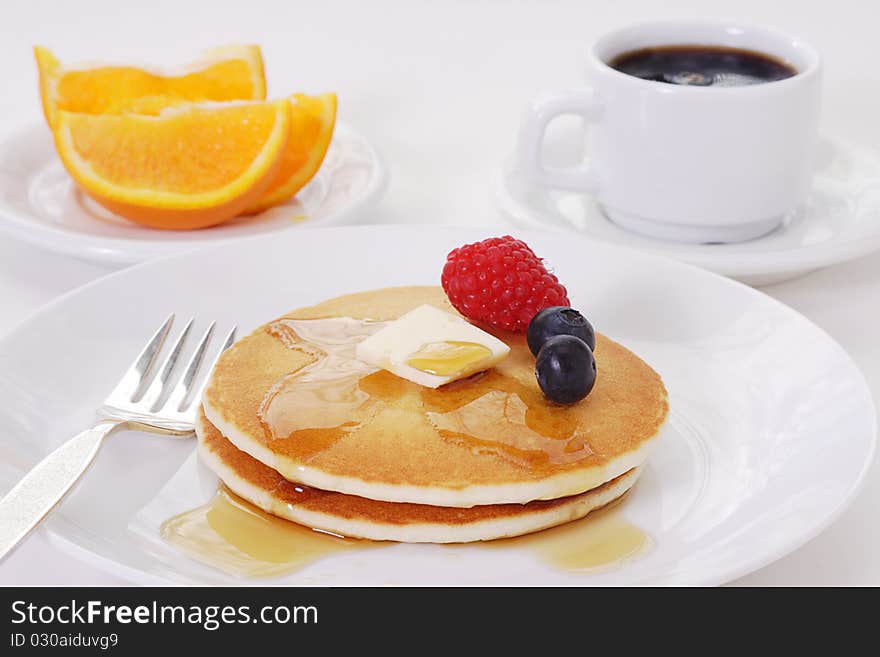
{"points": [[500, 281]]}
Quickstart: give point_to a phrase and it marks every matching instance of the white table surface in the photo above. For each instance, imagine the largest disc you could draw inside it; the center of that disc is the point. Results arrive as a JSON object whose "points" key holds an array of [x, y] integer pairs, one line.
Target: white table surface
{"points": [[438, 87]]}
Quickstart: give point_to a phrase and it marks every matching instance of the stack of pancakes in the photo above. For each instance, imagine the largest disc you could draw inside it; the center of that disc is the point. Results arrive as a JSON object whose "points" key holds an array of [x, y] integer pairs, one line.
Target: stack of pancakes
{"points": [[386, 459]]}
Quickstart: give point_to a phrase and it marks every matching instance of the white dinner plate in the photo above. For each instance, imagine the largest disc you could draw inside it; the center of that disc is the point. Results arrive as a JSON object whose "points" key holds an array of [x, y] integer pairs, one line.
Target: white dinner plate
{"points": [[771, 428], [839, 222], [40, 204]]}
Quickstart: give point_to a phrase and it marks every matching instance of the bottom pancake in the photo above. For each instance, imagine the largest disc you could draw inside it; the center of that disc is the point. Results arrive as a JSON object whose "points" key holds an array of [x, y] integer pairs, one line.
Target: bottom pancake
{"points": [[359, 517]]}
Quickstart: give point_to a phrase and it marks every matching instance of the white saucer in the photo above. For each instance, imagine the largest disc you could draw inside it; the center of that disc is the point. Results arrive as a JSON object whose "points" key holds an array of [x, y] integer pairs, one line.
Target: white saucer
{"points": [[840, 221], [40, 204], [771, 428]]}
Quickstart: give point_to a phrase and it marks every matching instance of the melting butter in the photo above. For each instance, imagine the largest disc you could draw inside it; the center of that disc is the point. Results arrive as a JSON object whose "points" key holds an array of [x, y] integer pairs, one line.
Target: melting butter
{"points": [[449, 358], [445, 347]]}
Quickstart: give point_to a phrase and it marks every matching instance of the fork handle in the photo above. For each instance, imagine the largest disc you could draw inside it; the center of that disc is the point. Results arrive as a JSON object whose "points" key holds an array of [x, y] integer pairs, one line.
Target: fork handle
{"points": [[32, 498]]}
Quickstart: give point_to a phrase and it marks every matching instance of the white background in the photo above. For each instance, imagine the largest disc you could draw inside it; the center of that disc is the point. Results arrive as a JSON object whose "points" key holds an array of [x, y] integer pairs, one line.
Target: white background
{"points": [[438, 87]]}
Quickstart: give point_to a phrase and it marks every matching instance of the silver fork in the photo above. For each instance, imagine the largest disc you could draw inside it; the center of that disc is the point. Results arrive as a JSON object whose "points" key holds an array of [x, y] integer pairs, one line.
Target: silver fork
{"points": [[163, 403]]}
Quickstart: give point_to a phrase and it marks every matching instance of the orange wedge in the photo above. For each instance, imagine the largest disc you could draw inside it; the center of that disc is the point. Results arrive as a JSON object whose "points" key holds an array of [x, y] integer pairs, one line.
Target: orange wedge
{"points": [[230, 73], [311, 129], [188, 167]]}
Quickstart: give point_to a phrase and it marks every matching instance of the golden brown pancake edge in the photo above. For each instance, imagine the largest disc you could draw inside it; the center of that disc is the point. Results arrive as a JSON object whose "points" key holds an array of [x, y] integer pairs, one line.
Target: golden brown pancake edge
{"points": [[359, 517]]}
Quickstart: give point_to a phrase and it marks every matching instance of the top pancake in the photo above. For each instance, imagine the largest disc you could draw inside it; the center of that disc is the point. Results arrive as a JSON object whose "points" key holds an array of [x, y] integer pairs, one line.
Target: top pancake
{"points": [[490, 439]]}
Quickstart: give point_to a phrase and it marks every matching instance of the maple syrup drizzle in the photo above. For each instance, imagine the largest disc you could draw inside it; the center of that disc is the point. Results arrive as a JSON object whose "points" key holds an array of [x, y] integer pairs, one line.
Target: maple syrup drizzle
{"points": [[336, 393], [325, 393]]}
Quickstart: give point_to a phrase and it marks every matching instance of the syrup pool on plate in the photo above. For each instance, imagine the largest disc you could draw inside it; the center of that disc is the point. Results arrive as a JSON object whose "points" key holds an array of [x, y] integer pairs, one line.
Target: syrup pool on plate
{"points": [[233, 535], [601, 540]]}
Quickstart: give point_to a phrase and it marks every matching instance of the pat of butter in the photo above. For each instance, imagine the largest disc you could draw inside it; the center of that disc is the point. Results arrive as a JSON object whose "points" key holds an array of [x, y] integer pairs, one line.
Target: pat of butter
{"points": [[431, 347]]}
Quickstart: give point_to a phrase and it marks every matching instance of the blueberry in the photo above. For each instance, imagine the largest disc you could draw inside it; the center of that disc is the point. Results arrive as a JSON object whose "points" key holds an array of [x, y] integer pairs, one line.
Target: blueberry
{"points": [[566, 369], [559, 320]]}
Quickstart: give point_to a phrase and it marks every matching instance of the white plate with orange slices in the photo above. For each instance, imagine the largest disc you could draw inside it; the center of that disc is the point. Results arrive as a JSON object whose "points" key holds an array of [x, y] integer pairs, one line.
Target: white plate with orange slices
{"points": [[133, 164]]}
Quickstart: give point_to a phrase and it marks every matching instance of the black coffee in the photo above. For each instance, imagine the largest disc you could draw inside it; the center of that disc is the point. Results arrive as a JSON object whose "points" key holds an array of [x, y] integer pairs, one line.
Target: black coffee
{"points": [[702, 66]]}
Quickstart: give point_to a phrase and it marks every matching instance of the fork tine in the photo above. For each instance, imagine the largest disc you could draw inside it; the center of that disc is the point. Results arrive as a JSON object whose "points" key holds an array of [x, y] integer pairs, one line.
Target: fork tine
{"points": [[181, 394], [197, 390], [138, 375], [160, 385]]}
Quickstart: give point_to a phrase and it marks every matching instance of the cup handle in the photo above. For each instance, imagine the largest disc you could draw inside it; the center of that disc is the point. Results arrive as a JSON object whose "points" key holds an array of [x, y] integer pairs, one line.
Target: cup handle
{"points": [[538, 115]]}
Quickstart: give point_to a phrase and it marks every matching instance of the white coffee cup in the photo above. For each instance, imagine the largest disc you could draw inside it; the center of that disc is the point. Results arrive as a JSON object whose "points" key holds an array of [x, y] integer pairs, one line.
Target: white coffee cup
{"points": [[687, 163]]}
